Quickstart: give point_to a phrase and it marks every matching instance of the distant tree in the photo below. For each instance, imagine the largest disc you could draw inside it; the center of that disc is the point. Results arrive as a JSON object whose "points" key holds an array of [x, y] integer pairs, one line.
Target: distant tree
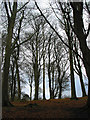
{"points": [[44, 55], [36, 61], [81, 33], [78, 29], [61, 58], [35, 47], [49, 64]]}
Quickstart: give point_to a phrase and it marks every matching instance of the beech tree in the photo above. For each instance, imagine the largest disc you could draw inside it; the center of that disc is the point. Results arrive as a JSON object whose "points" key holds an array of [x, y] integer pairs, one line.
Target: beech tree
{"points": [[82, 34], [71, 38], [11, 22], [11, 12]]}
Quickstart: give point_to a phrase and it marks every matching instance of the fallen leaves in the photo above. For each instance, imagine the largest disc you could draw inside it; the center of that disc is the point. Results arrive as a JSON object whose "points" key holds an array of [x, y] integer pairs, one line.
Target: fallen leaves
{"points": [[54, 108]]}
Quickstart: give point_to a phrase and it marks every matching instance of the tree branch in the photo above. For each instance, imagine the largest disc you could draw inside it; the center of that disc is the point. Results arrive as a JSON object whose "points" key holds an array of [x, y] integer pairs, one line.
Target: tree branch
{"points": [[7, 10], [88, 31], [13, 47], [20, 23], [51, 25], [87, 7], [56, 31], [23, 6], [10, 6]]}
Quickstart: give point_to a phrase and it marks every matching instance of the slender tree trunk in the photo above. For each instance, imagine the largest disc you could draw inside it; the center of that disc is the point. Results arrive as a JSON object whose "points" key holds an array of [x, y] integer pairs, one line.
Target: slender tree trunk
{"points": [[30, 83], [14, 89], [73, 92], [59, 81], [36, 73], [80, 73], [53, 81], [60, 90], [31, 91], [70, 39], [12, 69], [44, 77], [18, 80], [36, 87], [49, 76], [49, 70]]}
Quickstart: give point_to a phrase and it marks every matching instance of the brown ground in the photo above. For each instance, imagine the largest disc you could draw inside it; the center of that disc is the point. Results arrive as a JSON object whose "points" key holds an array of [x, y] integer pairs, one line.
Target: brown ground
{"points": [[64, 108]]}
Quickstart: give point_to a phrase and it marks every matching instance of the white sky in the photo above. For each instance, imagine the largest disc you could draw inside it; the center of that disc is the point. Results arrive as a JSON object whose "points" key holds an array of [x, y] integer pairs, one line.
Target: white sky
{"points": [[43, 3]]}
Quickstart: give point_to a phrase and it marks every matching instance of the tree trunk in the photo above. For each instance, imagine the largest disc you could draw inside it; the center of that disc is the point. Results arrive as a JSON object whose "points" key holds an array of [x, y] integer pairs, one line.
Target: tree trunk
{"points": [[12, 70], [11, 22], [82, 84], [30, 92], [52, 80], [59, 81], [80, 73], [36, 86], [60, 90], [18, 80], [49, 73], [14, 89], [70, 39], [73, 92], [43, 76], [30, 83], [36, 72], [49, 76], [79, 30]]}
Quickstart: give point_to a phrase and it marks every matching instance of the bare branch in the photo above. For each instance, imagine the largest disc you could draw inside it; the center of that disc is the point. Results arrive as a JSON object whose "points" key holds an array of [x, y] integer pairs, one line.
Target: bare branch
{"points": [[56, 32], [87, 7], [10, 6], [28, 39], [7, 10], [23, 6], [51, 25], [88, 31]]}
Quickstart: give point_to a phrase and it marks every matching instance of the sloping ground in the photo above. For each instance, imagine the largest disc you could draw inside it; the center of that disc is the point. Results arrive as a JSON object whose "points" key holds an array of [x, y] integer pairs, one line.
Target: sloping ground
{"points": [[54, 108]]}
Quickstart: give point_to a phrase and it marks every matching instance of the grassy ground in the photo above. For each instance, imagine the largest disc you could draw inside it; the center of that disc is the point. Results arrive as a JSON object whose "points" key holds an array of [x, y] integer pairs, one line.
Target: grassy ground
{"points": [[54, 108]]}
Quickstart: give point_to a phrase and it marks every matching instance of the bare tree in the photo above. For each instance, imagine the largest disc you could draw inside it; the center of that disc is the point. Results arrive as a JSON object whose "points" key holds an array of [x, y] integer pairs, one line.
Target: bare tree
{"points": [[11, 22], [11, 13], [80, 32], [82, 35]]}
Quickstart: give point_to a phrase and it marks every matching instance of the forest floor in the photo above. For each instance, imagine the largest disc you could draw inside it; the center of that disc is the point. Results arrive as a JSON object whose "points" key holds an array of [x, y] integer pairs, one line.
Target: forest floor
{"points": [[54, 108]]}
